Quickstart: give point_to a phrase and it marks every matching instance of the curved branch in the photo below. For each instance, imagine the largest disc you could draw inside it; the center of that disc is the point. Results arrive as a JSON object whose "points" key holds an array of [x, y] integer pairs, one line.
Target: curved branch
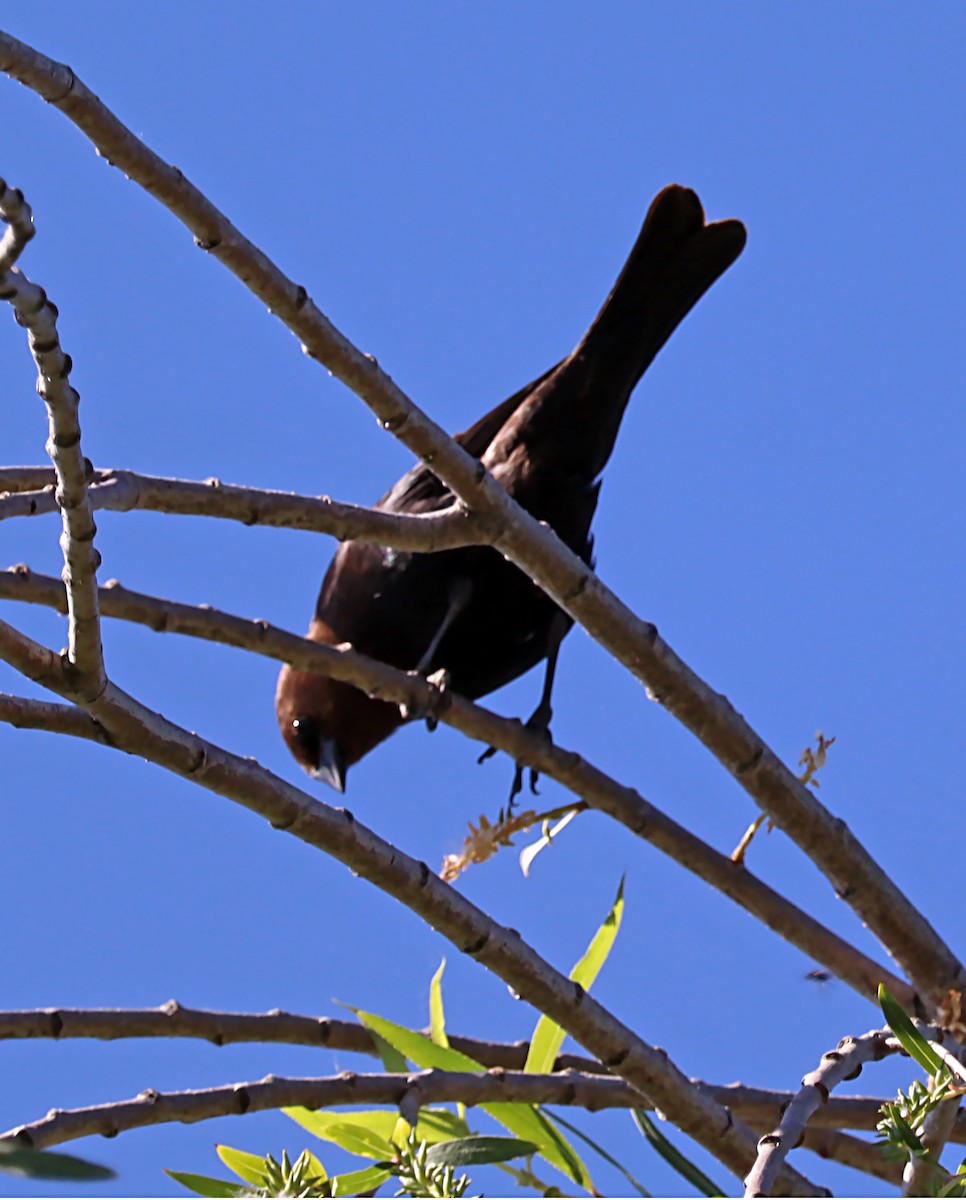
{"points": [[135, 728], [903, 930], [845, 1062], [409, 1092], [413, 1091], [19, 222], [122, 491], [621, 803], [759, 1106]]}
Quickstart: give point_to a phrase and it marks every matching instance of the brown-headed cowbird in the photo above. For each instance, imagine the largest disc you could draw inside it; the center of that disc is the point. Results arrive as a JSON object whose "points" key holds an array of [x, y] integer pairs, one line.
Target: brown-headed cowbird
{"points": [[469, 611]]}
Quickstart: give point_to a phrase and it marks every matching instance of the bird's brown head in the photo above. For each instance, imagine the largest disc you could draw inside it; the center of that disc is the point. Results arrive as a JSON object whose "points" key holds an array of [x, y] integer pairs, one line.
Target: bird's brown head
{"points": [[326, 724]]}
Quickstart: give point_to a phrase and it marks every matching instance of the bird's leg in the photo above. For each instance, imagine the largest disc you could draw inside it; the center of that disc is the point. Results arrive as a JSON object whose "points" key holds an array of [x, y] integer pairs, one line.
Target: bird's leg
{"points": [[539, 720], [459, 597]]}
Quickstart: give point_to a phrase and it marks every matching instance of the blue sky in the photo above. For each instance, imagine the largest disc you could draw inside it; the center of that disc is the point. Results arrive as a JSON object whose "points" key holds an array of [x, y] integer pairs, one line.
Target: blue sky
{"points": [[457, 187]]}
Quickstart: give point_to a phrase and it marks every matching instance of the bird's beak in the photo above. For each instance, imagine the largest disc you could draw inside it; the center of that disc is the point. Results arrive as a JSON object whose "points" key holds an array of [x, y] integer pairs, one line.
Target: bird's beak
{"points": [[331, 768]]}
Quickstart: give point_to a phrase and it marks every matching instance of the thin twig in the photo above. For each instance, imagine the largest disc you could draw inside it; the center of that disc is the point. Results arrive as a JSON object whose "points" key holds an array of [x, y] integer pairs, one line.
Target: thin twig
{"points": [[135, 728], [123, 491], [903, 930], [621, 803]]}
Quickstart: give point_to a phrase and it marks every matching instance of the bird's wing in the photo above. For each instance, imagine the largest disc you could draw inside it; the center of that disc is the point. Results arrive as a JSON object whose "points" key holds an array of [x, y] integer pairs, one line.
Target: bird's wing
{"points": [[420, 490]]}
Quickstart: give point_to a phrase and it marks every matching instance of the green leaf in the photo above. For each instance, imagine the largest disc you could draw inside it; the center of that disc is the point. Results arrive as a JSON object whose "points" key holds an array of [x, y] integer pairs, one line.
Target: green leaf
{"points": [[365, 1133], [440, 1125], [437, 1022], [604, 1154], [358, 1183], [548, 1036], [435, 1124], [250, 1167], [47, 1164], [684, 1166], [908, 1136], [417, 1047], [475, 1151], [314, 1166], [204, 1185], [392, 1061], [908, 1035], [523, 1120]]}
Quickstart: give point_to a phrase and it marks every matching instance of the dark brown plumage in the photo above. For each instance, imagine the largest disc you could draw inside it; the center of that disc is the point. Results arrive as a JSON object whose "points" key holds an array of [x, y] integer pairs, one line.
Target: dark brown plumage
{"points": [[468, 610]]}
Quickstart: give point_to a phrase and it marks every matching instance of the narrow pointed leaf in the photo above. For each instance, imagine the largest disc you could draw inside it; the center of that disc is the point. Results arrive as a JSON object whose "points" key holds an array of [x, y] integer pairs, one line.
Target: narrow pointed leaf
{"points": [[359, 1183], [604, 1154], [47, 1164], [673, 1156], [548, 1036], [476, 1151], [437, 1021], [204, 1185], [523, 1120], [435, 1124], [250, 1167], [908, 1035], [357, 1132], [392, 1061]]}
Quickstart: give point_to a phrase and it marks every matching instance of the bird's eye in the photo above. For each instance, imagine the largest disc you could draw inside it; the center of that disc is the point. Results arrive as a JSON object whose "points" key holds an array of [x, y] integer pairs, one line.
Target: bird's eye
{"points": [[308, 736]]}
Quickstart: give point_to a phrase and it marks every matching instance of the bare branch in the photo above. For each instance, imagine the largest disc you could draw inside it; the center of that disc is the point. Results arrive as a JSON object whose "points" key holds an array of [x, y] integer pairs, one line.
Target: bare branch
{"points": [[410, 1092], [28, 479], [566, 767], [407, 1092], [51, 718], [414, 1091], [20, 226], [122, 491], [39, 317], [846, 1062], [137, 729], [761, 1107], [857, 878]]}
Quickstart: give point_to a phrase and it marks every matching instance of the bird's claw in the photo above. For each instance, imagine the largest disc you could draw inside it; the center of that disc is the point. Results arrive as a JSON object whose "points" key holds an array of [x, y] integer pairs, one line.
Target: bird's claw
{"points": [[539, 724], [430, 708]]}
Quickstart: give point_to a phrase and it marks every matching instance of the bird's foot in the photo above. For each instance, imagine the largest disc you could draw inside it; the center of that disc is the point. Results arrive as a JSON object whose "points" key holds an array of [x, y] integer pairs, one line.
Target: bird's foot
{"points": [[538, 724], [429, 709]]}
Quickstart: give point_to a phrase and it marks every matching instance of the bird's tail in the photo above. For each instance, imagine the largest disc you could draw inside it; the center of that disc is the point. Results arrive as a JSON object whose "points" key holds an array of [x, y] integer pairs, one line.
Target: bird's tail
{"points": [[574, 412]]}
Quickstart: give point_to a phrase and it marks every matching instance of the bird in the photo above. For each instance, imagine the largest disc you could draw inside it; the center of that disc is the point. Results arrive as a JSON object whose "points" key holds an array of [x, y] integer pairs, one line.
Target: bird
{"points": [[469, 612]]}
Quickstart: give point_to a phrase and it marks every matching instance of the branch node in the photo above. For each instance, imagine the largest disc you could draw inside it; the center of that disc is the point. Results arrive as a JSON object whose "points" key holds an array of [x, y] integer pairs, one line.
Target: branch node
{"points": [[394, 424], [474, 948], [752, 763]]}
